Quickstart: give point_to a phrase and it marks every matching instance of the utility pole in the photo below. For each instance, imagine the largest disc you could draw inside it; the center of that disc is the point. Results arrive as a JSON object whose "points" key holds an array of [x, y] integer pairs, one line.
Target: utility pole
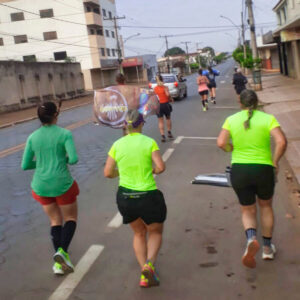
{"points": [[187, 53], [252, 28], [243, 36], [167, 48], [118, 41]]}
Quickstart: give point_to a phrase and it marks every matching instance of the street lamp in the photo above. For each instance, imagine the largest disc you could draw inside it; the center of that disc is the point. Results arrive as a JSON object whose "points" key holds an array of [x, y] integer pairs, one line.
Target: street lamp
{"points": [[238, 27], [134, 35]]}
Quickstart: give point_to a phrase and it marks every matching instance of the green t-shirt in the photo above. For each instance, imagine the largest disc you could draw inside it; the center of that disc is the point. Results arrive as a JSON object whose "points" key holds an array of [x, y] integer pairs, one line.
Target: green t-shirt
{"points": [[133, 155], [252, 146], [49, 150]]}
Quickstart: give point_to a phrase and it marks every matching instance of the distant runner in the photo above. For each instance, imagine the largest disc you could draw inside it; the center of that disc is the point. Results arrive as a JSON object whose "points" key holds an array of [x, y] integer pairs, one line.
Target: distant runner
{"points": [[203, 82], [48, 151], [253, 170], [139, 201], [239, 81], [211, 75]]}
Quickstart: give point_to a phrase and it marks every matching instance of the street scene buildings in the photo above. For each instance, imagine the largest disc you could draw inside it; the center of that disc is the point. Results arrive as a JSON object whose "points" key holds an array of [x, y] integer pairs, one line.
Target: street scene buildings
{"points": [[149, 150]]}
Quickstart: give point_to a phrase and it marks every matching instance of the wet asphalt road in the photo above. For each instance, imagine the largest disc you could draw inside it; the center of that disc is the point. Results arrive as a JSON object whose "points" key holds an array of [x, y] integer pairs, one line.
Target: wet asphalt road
{"points": [[200, 258]]}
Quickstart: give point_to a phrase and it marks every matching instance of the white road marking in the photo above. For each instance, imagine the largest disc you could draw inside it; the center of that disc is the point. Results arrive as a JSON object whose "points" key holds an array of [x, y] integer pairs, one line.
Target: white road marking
{"points": [[178, 139], [66, 288], [227, 107], [223, 81], [116, 222], [200, 137], [167, 154]]}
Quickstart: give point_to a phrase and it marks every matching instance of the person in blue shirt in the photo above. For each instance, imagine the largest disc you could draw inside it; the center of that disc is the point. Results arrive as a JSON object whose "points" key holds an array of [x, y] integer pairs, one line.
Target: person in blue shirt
{"points": [[211, 75]]}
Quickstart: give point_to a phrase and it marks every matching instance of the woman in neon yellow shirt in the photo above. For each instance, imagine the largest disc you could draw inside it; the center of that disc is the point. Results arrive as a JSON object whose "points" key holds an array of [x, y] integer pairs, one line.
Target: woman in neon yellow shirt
{"points": [[253, 169], [48, 151], [139, 201]]}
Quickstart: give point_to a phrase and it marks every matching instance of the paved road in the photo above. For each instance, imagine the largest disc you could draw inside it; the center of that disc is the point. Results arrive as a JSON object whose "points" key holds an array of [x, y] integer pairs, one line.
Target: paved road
{"points": [[200, 258]]}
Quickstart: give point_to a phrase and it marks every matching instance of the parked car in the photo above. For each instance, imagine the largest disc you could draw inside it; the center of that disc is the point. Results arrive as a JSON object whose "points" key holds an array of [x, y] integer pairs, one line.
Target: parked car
{"points": [[176, 84]]}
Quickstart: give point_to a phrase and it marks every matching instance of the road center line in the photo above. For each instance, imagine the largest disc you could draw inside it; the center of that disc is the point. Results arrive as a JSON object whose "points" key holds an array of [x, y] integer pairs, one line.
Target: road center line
{"points": [[223, 81], [66, 288], [117, 220]]}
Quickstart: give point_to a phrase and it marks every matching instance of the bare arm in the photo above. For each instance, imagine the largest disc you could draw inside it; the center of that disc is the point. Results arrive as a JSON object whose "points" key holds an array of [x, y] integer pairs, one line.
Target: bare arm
{"points": [[159, 165], [223, 141], [280, 145], [110, 170]]}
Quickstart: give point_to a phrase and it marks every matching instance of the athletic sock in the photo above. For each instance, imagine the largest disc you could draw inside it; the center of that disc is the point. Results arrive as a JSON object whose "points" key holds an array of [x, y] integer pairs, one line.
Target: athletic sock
{"points": [[250, 233], [67, 234], [267, 241], [56, 236], [203, 103]]}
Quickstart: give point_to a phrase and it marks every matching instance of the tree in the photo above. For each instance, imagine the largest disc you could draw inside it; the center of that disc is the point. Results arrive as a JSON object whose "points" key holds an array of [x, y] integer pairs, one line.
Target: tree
{"points": [[219, 58], [174, 51], [210, 50], [249, 62]]}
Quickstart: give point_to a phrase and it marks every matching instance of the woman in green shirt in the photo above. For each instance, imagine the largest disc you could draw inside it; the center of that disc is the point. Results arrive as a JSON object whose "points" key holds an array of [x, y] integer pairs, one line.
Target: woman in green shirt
{"points": [[253, 169], [48, 151], [139, 201]]}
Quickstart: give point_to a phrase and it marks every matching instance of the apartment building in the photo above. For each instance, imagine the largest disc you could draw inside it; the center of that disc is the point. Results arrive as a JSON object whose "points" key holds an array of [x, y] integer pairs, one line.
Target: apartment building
{"points": [[287, 35], [62, 30]]}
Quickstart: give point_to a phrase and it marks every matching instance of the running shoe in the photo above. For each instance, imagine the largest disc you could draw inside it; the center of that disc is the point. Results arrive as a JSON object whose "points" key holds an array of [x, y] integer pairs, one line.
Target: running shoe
{"points": [[204, 108], [170, 136], [248, 259], [150, 274], [269, 255], [57, 269], [144, 282], [214, 102], [163, 139], [63, 258]]}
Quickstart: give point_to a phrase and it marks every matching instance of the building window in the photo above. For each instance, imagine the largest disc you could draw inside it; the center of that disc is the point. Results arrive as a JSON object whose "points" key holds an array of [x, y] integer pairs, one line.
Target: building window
{"points": [[17, 16], [113, 52], [107, 33], [108, 52], [19, 39], [46, 13], [102, 51], [92, 31], [279, 18], [1, 42], [113, 34], [88, 9], [60, 55], [96, 11], [51, 35], [29, 58], [99, 32], [110, 14], [104, 12]]}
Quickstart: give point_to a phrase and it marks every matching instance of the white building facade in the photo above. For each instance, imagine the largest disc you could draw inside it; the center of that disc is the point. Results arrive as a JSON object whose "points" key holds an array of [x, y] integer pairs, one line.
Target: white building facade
{"points": [[62, 30]]}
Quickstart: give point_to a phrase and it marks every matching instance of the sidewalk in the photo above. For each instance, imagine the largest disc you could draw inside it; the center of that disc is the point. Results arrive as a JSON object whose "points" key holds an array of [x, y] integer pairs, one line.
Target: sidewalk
{"points": [[281, 97]]}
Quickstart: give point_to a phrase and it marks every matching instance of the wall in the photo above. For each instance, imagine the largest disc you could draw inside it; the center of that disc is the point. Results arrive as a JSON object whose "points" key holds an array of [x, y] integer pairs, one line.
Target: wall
{"points": [[26, 84]]}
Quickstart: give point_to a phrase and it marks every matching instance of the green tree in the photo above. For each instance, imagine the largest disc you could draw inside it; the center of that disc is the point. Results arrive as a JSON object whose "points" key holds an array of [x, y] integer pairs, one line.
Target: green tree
{"points": [[249, 62], [174, 51], [219, 58], [209, 49]]}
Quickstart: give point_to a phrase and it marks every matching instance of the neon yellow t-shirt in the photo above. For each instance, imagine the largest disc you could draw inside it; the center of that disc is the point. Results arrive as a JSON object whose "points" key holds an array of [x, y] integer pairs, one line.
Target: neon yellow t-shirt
{"points": [[252, 146], [133, 155]]}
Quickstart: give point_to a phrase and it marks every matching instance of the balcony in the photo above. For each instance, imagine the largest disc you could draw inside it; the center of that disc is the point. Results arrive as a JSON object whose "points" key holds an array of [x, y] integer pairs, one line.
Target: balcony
{"points": [[93, 18], [91, 2]]}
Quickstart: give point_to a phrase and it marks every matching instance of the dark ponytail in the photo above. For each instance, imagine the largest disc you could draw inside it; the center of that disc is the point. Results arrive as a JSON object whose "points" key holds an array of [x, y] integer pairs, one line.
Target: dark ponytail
{"points": [[47, 112], [249, 101]]}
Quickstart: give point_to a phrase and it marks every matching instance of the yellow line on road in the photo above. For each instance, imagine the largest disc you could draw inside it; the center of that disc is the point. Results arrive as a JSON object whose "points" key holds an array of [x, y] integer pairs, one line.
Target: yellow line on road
{"points": [[20, 147]]}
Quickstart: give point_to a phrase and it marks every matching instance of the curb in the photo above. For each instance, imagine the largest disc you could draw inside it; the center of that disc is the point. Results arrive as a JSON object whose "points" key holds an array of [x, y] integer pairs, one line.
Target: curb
{"points": [[35, 117]]}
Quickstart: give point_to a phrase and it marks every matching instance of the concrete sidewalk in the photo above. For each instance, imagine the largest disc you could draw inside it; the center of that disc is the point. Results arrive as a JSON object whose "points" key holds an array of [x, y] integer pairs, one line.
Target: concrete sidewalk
{"points": [[281, 97]]}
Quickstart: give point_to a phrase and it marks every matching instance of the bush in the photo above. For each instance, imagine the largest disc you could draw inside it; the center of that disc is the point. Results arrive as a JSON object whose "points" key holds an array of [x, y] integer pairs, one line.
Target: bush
{"points": [[194, 66]]}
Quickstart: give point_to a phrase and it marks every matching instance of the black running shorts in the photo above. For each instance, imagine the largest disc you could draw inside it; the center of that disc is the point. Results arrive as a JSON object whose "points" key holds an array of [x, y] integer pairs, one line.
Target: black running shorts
{"points": [[149, 206], [203, 93], [251, 180], [165, 109], [212, 85]]}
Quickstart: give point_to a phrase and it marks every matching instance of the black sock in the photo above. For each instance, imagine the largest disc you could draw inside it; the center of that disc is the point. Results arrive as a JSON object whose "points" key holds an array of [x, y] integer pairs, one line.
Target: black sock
{"points": [[203, 103], [67, 234], [267, 241], [56, 236], [250, 233]]}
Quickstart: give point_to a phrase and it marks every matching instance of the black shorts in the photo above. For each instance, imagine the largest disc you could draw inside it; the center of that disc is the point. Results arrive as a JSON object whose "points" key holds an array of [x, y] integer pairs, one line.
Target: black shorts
{"points": [[203, 93], [251, 180], [150, 206], [240, 89], [212, 85], [165, 109]]}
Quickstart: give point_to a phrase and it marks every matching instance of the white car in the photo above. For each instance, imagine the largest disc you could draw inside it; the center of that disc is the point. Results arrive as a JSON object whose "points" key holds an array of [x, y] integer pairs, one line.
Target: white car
{"points": [[176, 85]]}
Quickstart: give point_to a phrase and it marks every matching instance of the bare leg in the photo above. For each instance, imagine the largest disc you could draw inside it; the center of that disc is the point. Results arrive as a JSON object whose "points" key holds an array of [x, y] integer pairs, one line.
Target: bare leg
{"points": [[213, 92], [249, 216], [154, 240], [161, 126], [169, 124], [54, 214], [69, 212], [139, 241]]}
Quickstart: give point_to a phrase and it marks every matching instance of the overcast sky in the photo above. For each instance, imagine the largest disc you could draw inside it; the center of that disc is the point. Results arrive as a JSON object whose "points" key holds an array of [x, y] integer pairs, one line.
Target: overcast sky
{"points": [[184, 13]]}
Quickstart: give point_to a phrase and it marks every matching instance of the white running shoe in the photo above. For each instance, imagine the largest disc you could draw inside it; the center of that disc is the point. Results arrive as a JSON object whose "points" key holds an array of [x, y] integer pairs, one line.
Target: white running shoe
{"points": [[271, 255], [248, 258], [57, 269]]}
